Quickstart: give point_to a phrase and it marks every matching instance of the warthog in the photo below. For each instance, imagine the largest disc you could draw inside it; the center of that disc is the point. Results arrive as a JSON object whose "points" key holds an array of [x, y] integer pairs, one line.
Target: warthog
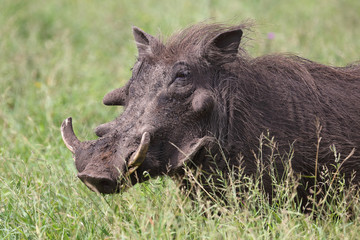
{"points": [[200, 100]]}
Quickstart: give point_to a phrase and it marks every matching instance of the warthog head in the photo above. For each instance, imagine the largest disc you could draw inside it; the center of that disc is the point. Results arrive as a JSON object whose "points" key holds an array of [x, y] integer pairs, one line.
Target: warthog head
{"points": [[168, 110]]}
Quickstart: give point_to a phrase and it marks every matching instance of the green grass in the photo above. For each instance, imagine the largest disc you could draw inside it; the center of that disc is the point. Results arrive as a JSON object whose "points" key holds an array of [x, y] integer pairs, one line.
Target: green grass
{"points": [[58, 59]]}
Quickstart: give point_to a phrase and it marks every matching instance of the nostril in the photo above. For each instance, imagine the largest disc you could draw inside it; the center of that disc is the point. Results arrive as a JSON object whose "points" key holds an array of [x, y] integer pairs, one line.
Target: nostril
{"points": [[99, 184]]}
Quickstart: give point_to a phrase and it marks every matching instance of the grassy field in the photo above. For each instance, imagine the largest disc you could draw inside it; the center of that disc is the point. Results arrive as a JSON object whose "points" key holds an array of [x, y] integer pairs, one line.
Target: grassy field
{"points": [[59, 58]]}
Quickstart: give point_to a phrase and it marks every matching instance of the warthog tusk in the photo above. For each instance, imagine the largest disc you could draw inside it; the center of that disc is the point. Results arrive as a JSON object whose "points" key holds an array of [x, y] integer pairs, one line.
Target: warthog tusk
{"points": [[138, 157], [68, 135]]}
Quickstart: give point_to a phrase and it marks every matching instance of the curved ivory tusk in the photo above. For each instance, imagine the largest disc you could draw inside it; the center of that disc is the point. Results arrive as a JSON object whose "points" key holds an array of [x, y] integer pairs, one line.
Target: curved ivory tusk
{"points": [[68, 135], [138, 157]]}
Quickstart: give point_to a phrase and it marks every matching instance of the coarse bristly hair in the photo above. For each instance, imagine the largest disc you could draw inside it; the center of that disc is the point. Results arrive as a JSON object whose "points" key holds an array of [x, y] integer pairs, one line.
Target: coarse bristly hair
{"points": [[289, 96], [190, 42]]}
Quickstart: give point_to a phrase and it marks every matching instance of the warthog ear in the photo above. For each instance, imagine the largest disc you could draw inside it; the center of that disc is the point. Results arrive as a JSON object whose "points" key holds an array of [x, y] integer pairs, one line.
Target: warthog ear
{"points": [[224, 47], [145, 42]]}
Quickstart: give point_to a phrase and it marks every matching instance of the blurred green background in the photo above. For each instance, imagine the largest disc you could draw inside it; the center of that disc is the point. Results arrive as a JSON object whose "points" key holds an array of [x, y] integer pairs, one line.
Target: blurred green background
{"points": [[59, 58]]}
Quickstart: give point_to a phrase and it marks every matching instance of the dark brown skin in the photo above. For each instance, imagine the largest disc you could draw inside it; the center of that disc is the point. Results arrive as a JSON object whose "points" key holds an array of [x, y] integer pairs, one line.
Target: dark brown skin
{"points": [[201, 86]]}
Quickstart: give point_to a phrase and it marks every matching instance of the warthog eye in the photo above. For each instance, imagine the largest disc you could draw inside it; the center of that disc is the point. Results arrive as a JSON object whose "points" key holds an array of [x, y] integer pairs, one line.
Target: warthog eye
{"points": [[182, 75]]}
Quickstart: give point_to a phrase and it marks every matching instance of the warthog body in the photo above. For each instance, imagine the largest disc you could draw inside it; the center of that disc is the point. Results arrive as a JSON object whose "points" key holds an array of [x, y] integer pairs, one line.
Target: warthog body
{"points": [[201, 86]]}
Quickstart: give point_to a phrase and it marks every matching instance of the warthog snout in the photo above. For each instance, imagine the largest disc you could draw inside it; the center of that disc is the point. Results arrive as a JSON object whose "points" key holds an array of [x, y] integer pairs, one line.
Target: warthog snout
{"points": [[97, 162], [100, 184]]}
